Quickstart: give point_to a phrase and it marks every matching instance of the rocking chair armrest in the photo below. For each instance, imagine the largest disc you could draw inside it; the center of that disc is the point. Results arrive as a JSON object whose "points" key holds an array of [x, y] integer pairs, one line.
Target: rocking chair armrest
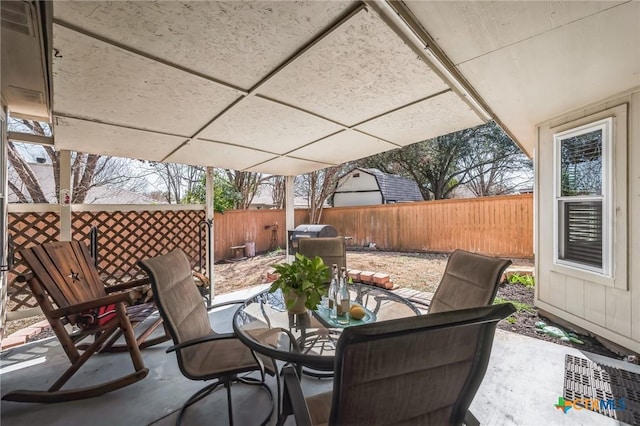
{"points": [[200, 340], [91, 304], [127, 286], [202, 277], [294, 401]]}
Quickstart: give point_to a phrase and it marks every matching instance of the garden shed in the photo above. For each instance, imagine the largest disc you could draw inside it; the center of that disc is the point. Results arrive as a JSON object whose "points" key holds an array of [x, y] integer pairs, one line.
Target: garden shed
{"points": [[363, 187]]}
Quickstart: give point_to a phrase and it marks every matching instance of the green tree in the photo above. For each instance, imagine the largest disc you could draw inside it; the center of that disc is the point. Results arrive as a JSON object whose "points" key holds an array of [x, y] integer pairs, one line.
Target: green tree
{"points": [[245, 185], [224, 195]]}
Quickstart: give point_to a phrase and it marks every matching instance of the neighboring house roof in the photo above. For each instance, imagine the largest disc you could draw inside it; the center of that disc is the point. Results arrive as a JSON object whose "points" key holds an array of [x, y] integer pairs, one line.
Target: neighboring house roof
{"points": [[393, 187], [96, 195]]}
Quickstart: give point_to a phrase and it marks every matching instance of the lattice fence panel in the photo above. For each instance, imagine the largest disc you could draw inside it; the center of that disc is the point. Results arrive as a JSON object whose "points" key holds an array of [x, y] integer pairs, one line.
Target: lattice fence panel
{"points": [[126, 237], [28, 229]]}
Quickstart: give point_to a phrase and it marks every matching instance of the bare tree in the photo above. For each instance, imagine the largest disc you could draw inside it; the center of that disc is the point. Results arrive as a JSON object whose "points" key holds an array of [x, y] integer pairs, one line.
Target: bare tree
{"points": [[26, 176], [278, 191], [495, 164], [317, 187], [87, 170], [483, 159], [173, 180]]}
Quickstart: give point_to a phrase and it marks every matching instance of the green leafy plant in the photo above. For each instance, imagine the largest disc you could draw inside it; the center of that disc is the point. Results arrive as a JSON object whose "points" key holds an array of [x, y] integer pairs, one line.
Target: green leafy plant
{"points": [[303, 276], [522, 279], [520, 306]]}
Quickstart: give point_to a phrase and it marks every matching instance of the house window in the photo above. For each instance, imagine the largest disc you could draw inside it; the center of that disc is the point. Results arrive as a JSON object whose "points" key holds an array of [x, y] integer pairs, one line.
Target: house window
{"points": [[583, 197]]}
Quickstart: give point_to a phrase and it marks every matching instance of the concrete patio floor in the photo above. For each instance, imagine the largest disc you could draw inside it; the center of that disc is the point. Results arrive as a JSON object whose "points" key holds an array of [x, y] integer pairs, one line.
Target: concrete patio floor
{"points": [[523, 382]]}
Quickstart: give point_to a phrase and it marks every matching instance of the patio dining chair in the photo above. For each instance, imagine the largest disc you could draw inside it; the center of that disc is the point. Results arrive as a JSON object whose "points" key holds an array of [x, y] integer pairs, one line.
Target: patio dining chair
{"points": [[202, 353], [415, 370], [70, 293], [330, 249], [469, 280]]}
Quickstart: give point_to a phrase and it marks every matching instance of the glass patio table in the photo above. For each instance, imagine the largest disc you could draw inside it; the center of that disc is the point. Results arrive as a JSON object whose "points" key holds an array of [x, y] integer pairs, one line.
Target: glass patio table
{"points": [[309, 339]]}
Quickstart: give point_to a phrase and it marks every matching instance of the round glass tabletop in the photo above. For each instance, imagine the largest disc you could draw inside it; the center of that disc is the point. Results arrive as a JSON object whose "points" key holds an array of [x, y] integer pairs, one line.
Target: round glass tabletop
{"points": [[310, 339]]}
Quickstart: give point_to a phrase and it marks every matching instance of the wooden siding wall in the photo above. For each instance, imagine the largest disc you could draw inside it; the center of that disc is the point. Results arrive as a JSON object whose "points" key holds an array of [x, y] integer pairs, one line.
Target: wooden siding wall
{"points": [[498, 226]]}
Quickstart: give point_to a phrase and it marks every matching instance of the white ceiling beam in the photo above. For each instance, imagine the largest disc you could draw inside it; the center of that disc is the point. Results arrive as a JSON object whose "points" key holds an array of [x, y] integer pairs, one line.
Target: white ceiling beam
{"points": [[30, 138]]}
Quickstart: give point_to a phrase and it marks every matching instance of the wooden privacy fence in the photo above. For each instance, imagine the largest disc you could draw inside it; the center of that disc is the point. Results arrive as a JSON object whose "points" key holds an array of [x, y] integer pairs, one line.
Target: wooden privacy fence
{"points": [[500, 226], [237, 227]]}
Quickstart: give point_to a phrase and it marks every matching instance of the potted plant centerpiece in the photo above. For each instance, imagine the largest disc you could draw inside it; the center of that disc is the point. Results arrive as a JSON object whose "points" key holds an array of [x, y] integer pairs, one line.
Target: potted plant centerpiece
{"points": [[303, 282]]}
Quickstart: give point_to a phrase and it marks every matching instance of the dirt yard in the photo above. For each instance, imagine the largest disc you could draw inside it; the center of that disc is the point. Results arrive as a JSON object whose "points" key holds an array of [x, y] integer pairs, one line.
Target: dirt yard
{"points": [[419, 271]]}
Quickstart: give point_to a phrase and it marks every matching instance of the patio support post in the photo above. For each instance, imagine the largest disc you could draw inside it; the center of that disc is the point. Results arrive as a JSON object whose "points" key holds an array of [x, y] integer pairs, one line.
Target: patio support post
{"points": [[5, 262], [209, 209], [65, 195], [289, 213]]}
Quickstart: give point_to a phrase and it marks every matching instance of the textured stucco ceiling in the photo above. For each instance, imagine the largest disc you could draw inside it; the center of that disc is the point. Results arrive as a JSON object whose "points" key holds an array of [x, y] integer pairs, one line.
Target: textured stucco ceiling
{"points": [[288, 87], [277, 87]]}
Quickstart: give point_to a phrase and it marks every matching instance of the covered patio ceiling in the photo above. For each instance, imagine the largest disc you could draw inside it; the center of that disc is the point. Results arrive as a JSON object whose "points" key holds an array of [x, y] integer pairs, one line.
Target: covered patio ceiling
{"points": [[289, 87]]}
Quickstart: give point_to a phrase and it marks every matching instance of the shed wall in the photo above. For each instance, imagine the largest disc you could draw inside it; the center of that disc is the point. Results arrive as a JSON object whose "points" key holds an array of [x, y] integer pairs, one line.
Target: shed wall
{"points": [[362, 190], [606, 306], [347, 199], [362, 182]]}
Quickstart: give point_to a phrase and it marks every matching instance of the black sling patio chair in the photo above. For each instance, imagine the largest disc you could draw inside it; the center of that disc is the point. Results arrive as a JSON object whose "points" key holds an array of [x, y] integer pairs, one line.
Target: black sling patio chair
{"points": [[421, 370], [469, 280], [202, 353]]}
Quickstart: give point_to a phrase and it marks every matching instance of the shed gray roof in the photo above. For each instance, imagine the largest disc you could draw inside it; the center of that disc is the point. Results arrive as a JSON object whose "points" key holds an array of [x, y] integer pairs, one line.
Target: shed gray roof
{"points": [[396, 188]]}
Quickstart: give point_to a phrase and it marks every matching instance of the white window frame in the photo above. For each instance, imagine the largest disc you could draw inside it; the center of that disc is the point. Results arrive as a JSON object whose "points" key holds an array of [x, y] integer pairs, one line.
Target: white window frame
{"points": [[608, 231]]}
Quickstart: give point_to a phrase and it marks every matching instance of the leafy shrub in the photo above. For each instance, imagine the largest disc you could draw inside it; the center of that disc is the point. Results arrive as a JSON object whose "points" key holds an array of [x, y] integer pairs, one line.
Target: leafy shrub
{"points": [[522, 279]]}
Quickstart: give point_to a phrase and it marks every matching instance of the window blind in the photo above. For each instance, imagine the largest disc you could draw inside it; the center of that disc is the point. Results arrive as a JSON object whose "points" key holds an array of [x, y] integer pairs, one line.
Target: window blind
{"points": [[583, 236]]}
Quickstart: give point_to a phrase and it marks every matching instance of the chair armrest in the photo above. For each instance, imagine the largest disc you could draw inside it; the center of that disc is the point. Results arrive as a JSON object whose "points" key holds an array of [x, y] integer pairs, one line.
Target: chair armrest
{"points": [[227, 303], [202, 277], [91, 304], [127, 286], [470, 419], [200, 340], [293, 398]]}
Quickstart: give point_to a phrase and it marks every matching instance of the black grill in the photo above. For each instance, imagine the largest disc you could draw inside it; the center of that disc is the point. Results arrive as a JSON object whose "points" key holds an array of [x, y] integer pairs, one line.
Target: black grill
{"points": [[309, 231]]}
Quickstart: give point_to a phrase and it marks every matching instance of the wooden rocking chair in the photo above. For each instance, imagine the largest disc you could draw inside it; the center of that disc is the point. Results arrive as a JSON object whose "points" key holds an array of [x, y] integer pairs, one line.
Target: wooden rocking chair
{"points": [[69, 291]]}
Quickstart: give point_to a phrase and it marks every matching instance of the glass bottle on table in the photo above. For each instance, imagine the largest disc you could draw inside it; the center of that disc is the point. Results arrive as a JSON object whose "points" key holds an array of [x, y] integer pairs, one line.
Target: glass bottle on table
{"points": [[333, 292], [343, 298]]}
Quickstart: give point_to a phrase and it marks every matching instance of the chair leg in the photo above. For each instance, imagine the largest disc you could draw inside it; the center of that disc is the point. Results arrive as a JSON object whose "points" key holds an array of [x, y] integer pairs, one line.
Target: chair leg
{"points": [[54, 394], [229, 406], [201, 393]]}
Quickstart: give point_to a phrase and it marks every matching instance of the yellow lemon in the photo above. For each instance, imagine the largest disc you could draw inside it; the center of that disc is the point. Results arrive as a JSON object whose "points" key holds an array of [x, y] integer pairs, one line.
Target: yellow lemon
{"points": [[357, 312]]}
